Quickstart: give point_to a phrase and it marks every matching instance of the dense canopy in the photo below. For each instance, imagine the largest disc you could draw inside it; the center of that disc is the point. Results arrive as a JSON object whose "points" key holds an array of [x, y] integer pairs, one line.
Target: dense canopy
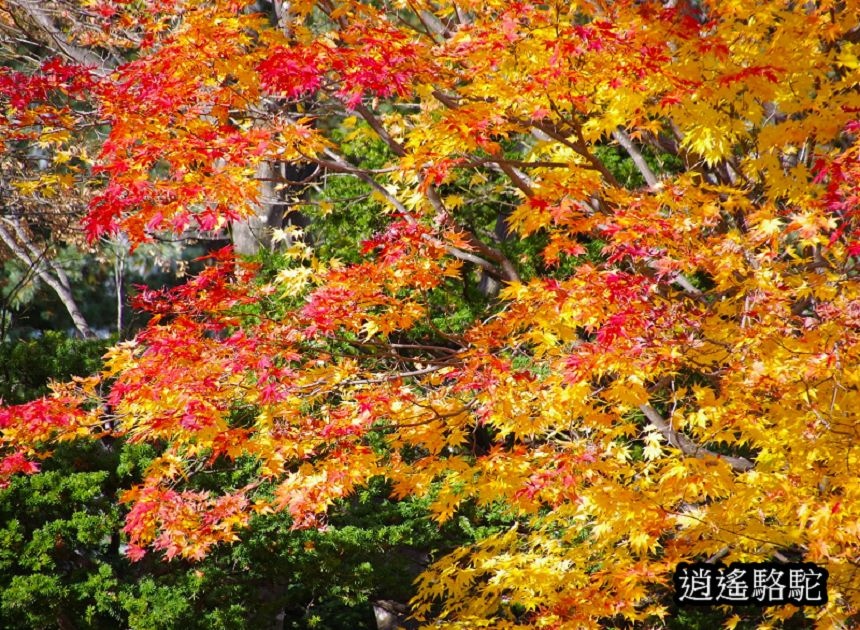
{"points": [[656, 206]]}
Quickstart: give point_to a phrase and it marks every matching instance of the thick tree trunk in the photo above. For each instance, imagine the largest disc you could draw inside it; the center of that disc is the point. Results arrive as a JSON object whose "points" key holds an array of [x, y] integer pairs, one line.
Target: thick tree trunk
{"points": [[255, 232], [490, 286], [391, 615], [273, 210]]}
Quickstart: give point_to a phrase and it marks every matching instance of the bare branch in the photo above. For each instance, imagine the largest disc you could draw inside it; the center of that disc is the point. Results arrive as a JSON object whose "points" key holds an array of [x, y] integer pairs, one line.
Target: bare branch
{"points": [[35, 10], [638, 159], [62, 290]]}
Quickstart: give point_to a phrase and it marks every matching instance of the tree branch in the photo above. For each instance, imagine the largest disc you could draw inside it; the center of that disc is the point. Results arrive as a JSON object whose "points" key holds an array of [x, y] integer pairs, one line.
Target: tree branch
{"points": [[686, 445], [62, 290], [493, 270], [638, 159], [34, 10]]}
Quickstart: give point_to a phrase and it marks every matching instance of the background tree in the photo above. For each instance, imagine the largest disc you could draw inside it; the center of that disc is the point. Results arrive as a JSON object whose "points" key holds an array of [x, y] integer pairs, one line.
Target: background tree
{"points": [[50, 136], [44, 132]]}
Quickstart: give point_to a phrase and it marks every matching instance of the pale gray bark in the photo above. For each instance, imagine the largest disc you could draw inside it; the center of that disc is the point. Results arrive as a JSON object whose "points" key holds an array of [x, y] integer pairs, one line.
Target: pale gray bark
{"points": [[121, 247], [255, 232], [636, 155], [36, 11], [15, 239], [686, 445], [391, 615]]}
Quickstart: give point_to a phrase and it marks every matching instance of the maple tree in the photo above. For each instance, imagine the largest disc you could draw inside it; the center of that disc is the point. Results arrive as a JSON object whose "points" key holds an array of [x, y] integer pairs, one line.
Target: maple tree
{"points": [[61, 560], [669, 371]]}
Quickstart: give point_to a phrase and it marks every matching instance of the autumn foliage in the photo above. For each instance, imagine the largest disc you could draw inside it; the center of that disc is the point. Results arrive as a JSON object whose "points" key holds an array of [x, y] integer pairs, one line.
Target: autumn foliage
{"points": [[689, 392]]}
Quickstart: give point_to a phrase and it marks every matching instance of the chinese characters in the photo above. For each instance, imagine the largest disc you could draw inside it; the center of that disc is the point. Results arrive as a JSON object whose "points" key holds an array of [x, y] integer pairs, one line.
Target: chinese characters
{"points": [[760, 584]]}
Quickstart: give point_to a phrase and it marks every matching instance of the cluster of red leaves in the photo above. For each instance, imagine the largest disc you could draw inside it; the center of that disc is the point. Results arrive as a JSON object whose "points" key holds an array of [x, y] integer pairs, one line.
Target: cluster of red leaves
{"points": [[369, 58], [841, 198], [28, 430], [176, 522], [23, 89]]}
